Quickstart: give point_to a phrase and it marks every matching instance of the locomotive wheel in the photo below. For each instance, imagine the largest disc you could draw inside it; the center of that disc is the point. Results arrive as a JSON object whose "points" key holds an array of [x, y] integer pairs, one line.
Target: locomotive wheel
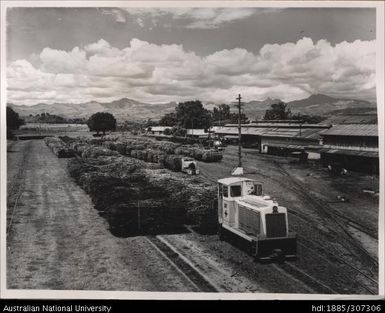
{"points": [[278, 255]]}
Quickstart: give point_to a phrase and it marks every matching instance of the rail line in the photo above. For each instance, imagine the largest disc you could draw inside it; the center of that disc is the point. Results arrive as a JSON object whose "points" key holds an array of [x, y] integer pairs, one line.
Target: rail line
{"points": [[205, 284], [305, 278], [302, 243], [329, 214], [183, 265]]}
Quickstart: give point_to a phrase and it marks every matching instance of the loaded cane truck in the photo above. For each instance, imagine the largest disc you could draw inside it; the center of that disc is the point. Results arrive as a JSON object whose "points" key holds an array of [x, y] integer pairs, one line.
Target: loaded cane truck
{"points": [[189, 166], [244, 211]]}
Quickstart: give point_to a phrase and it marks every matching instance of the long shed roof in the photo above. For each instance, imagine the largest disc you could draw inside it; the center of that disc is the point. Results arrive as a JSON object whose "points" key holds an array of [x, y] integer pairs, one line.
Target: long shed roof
{"points": [[308, 133], [365, 130]]}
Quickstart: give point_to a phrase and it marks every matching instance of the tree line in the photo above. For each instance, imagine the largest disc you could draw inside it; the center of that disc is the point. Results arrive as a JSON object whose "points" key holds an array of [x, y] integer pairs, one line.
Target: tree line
{"points": [[192, 115], [186, 115]]}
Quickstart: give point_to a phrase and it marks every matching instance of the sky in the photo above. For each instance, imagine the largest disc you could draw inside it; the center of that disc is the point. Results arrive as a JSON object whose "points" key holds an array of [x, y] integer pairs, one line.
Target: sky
{"points": [[155, 55]]}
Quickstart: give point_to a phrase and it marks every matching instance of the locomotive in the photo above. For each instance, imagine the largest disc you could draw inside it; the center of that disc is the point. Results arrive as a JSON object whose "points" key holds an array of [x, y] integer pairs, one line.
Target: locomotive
{"points": [[244, 211]]}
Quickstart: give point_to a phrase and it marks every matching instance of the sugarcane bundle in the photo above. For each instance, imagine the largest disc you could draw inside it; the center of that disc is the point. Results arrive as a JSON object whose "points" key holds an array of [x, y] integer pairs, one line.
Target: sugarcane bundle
{"points": [[58, 147], [212, 156], [173, 162], [95, 151], [108, 145], [120, 147]]}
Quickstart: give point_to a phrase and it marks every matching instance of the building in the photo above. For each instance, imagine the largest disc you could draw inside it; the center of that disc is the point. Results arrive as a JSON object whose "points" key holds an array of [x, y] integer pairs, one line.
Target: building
{"points": [[352, 146], [157, 130], [285, 142], [277, 138], [197, 133]]}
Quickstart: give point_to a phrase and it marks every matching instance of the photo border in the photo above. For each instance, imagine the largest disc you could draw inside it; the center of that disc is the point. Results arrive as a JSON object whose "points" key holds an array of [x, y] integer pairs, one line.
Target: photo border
{"points": [[90, 294]]}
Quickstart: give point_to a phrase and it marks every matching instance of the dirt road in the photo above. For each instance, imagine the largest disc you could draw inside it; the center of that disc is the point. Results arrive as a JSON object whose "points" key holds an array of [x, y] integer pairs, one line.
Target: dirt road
{"points": [[56, 240]]}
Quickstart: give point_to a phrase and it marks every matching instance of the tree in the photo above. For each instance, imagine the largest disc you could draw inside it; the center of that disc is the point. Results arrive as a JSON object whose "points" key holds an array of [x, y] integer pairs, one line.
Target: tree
{"points": [[309, 119], [221, 115], [234, 118], [150, 122], [13, 119], [167, 132], [169, 119], [101, 122], [221, 112], [13, 122], [191, 114], [278, 111], [178, 131]]}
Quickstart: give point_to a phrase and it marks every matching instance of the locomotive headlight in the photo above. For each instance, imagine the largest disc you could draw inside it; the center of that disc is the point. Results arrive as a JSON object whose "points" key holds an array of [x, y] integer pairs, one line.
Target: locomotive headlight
{"points": [[275, 209]]}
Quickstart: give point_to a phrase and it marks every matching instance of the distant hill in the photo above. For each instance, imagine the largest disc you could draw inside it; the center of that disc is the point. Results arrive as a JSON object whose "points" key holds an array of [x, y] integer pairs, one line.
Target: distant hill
{"points": [[352, 116], [256, 109], [336, 111], [129, 109], [123, 109], [324, 105]]}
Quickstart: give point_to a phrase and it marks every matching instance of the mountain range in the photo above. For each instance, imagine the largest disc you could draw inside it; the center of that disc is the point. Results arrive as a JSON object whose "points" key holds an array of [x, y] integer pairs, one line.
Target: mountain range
{"points": [[129, 109], [318, 104]]}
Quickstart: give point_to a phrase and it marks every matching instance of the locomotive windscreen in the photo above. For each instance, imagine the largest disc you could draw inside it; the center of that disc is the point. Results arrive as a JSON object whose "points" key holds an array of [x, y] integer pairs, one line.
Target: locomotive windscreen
{"points": [[276, 225]]}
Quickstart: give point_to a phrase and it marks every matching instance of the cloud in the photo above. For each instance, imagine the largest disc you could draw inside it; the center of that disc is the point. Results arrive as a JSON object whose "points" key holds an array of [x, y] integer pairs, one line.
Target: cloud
{"points": [[194, 18], [117, 14], [159, 73], [58, 61]]}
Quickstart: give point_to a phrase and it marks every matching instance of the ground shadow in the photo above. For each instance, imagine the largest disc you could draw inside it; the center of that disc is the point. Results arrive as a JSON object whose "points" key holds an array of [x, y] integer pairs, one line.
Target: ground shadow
{"points": [[205, 230], [123, 230]]}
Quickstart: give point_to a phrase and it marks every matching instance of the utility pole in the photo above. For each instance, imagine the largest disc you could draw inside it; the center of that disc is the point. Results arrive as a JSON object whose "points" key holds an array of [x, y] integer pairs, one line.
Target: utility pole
{"points": [[192, 127], [239, 105]]}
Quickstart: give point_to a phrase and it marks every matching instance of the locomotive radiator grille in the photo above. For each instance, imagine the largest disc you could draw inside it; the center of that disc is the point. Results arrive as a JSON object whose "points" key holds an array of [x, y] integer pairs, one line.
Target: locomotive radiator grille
{"points": [[276, 225]]}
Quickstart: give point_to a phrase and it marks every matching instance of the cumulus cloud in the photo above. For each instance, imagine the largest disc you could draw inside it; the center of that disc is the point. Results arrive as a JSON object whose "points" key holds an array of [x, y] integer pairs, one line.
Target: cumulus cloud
{"points": [[159, 73]]}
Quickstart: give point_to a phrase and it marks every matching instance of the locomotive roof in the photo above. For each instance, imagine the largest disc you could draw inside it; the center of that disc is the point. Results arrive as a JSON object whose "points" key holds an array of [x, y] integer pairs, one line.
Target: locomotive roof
{"points": [[233, 179]]}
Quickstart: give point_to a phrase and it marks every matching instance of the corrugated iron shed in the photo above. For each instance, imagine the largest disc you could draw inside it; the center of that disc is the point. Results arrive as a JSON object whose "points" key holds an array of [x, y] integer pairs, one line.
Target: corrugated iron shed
{"points": [[366, 130], [158, 128], [307, 133], [368, 154]]}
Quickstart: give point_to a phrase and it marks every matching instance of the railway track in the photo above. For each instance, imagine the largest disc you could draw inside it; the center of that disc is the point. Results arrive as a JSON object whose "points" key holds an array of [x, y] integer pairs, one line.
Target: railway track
{"points": [[304, 243], [305, 278], [326, 211], [200, 281], [356, 225]]}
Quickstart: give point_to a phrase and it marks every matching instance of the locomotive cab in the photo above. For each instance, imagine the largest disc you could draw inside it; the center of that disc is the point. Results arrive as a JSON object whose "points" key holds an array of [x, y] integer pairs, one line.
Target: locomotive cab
{"points": [[246, 212]]}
